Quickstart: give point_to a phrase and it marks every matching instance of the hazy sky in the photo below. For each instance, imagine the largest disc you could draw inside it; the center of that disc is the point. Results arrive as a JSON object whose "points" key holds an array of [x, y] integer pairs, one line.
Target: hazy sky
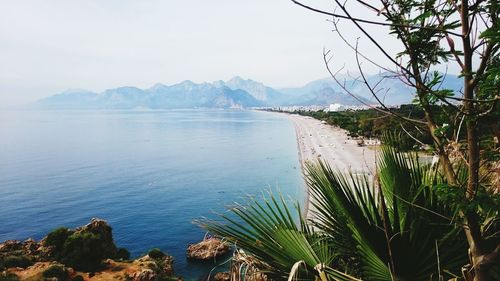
{"points": [[47, 46]]}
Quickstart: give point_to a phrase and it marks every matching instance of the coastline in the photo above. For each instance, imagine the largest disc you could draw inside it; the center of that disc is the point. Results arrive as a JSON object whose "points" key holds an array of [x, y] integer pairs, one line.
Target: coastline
{"points": [[316, 140]]}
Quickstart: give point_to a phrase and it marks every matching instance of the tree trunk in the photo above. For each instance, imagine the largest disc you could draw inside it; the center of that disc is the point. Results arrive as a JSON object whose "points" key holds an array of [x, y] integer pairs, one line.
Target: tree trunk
{"points": [[473, 228]]}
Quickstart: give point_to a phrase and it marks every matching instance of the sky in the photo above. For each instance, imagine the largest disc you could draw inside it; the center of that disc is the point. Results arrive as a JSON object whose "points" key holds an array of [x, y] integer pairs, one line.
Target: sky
{"points": [[48, 46]]}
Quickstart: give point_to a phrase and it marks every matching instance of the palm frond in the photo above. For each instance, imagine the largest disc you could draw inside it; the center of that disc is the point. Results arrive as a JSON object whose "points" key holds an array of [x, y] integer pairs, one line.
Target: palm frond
{"points": [[266, 230]]}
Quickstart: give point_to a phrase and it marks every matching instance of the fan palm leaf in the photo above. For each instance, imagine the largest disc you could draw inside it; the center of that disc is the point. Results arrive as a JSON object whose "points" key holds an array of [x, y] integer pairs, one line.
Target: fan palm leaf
{"points": [[266, 230]]}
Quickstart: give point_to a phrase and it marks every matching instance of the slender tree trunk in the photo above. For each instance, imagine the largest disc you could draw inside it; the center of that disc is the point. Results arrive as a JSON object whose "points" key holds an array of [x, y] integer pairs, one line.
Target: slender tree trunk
{"points": [[473, 228], [444, 158], [443, 155]]}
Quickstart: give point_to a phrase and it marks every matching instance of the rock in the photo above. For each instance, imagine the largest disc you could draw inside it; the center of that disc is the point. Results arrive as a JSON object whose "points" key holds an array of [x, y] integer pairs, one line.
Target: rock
{"points": [[222, 276], [166, 265], [207, 249], [163, 265], [11, 246], [31, 247], [144, 275], [99, 227], [27, 248]]}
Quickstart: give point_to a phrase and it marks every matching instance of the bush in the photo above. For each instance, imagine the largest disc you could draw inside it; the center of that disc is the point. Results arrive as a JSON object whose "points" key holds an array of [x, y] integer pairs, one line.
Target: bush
{"points": [[56, 271], [56, 240], [122, 254], [156, 253], [17, 261], [84, 251]]}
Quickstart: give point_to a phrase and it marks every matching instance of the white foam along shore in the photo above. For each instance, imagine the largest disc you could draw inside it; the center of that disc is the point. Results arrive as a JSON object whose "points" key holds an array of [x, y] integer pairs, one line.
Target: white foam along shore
{"points": [[317, 140]]}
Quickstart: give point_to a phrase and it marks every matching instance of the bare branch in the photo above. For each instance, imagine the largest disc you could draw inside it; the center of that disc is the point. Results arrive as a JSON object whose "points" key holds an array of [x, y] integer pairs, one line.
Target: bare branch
{"points": [[371, 22], [375, 95], [408, 133], [327, 64], [337, 30]]}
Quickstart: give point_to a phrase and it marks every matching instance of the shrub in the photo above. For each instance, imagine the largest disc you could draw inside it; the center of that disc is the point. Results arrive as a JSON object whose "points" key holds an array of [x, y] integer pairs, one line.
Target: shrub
{"points": [[56, 240], [122, 254], [56, 271], [84, 251], [156, 253], [17, 261]]}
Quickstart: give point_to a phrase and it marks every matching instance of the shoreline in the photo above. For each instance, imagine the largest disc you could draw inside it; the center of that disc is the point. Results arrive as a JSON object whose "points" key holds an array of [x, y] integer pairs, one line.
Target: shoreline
{"points": [[317, 140]]}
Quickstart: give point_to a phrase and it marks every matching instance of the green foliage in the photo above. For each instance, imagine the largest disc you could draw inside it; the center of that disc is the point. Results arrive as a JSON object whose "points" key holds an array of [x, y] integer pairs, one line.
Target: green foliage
{"points": [[56, 271], [484, 203], [156, 253], [16, 261], [122, 254], [266, 230], [84, 251], [56, 240], [348, 209], [372, 123]]}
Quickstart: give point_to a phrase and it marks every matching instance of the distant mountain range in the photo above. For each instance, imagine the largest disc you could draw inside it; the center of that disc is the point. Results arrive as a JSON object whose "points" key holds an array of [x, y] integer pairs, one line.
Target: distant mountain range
{"points": [[238, 93]]}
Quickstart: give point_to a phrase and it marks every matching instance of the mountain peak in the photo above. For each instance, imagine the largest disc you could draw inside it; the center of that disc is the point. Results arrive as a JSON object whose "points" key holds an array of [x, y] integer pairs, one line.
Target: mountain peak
{"points": [[187, 83], [238, 80], [158, 86]]}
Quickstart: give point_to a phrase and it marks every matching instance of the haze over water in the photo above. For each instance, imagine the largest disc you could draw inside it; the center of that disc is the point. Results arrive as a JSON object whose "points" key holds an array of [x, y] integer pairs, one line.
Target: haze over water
{"points": [[148, 173]]}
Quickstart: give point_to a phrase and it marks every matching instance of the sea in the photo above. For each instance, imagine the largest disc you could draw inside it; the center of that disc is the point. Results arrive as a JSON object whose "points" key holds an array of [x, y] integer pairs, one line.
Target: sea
{"points": [[149, 173]]}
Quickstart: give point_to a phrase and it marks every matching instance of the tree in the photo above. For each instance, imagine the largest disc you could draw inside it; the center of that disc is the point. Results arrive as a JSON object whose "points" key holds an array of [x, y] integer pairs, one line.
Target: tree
{"points": [[433, 32]]}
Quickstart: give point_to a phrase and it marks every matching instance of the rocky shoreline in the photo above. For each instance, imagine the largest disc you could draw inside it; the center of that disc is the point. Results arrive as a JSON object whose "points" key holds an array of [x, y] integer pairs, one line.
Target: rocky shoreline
{"points": [[89, 253]]}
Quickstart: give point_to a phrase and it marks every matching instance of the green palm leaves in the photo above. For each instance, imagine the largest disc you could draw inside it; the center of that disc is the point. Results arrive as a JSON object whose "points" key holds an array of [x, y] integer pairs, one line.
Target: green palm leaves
{"points": [[393, 227], [267, 231], [394, 224]]}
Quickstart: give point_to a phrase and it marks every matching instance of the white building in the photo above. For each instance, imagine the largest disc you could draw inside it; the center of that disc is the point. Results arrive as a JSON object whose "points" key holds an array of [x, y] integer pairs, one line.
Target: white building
{"points": [[336, 107]]}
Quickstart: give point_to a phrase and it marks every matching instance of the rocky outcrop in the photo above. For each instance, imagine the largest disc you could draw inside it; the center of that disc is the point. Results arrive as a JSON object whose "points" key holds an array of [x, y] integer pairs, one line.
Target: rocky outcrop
{"points": [[28, 248], [162, 266], [207, 249], [29, 259], [99, 227]]}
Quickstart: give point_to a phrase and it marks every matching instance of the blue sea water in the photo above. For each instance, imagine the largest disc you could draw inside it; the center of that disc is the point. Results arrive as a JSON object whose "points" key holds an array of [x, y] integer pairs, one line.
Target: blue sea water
{"points": [[148, 173]]}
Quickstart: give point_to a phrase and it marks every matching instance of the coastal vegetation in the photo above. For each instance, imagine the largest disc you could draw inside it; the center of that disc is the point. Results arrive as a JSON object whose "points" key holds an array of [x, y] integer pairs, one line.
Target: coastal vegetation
{"points": [[371, 123], [83, 250], [87, 252]]}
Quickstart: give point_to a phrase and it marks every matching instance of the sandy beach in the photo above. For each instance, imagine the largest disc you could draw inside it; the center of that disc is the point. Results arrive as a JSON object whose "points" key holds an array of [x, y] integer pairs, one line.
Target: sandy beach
{"points": [[317, 140]]}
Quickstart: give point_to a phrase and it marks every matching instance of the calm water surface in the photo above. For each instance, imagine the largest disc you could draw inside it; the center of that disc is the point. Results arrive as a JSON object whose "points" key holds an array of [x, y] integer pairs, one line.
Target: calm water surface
{"points": [[148, 173]]}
